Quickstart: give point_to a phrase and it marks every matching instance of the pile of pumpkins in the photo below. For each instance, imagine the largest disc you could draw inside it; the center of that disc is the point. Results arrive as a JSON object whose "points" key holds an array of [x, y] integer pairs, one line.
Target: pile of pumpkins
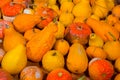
{"points": [[59, 40]]}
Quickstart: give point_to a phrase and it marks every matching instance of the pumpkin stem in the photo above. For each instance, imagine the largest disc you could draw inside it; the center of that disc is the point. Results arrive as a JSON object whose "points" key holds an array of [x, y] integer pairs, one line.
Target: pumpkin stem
{"points": [[28, 6], [55, 20], [104, 75], [114, 39], [60, 74], [42, 18], [92, 36], [79, 28], [54, 54], [7, 26]]}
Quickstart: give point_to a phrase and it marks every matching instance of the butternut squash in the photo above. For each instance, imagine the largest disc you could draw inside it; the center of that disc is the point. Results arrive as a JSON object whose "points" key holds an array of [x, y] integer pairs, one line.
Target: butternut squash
{"points": [[42, 42], [104, 30]]}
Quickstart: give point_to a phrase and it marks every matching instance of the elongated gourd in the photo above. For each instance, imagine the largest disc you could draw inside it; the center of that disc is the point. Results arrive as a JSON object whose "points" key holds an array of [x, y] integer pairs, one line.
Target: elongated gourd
{"points": [[42, 42], [104, 30]]}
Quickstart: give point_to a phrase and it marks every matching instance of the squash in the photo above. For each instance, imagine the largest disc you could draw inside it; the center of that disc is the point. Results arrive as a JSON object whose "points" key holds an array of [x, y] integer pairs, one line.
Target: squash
{"points": [[12, 38], [102, 29], [77, 60], [101, 8], [30, 33], [42, 42], [23, 22]]}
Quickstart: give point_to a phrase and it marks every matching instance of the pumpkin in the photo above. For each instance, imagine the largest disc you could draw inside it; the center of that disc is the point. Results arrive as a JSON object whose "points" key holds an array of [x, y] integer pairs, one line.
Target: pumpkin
{"points": [[46, 16], [100, 69], [3, 2], [4, 75], [10, 10], [78, 32], [31, 73], [59, 74], [42, 42]]}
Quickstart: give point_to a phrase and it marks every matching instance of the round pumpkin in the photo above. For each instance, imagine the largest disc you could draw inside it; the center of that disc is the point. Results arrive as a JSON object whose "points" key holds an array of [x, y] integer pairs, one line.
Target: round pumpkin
{"points": [[10, 10], [100, 69], [59, 74], [78, 32]]}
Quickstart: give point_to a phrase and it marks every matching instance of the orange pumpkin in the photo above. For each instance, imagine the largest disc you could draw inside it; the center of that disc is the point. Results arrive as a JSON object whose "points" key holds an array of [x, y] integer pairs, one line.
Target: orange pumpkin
{"points": [[100, 69], [3, 2], [47, 15], [77, 32], [10, 10], [59, 74]]}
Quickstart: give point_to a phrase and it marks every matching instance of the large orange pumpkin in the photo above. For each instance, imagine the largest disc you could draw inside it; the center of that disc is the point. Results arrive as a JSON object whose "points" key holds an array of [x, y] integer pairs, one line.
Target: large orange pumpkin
{"points": [[100, 69]]}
